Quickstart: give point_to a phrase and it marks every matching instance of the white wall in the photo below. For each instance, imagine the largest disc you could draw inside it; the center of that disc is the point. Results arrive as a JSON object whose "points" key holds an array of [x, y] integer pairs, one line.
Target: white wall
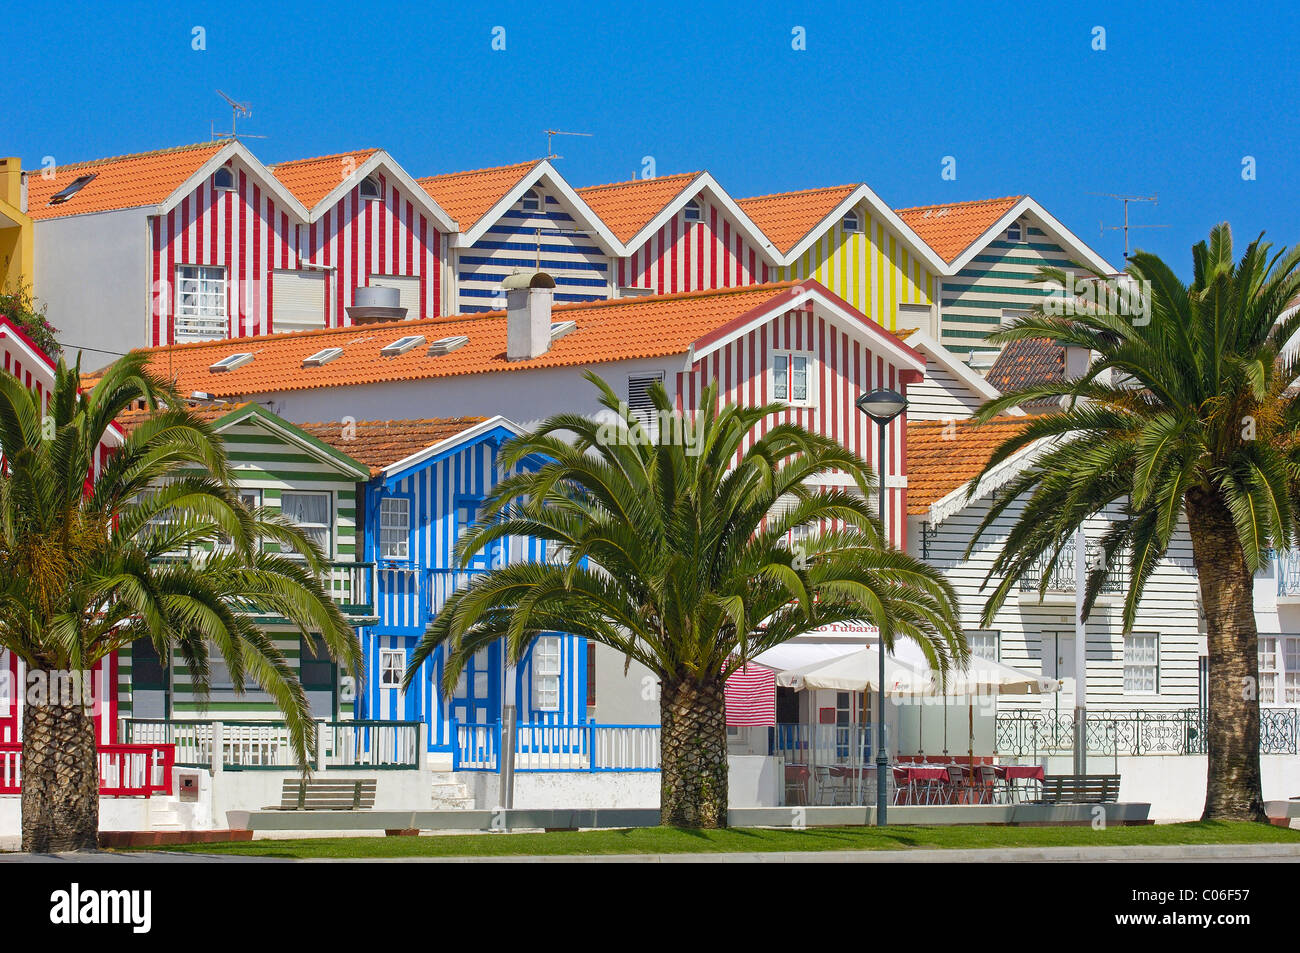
{"points": [[91, 273], [624, 699]]}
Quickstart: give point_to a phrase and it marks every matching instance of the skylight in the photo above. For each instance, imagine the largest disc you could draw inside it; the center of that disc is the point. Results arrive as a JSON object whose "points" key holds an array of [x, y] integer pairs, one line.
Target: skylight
{"points": [[560, 328], [231, 362], [323, 356], [446, 345], [402, 345], [69, 191]]}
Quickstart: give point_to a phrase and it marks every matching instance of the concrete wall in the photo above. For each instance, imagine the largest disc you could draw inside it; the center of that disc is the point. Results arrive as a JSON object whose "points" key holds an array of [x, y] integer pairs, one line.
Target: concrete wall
{"points": [[624, 699], [91, 273]]}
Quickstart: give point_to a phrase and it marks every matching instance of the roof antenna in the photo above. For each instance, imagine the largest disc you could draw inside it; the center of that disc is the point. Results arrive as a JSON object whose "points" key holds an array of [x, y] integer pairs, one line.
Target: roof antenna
{"points": [[237, 109], [1126, 226], [551, 133]]}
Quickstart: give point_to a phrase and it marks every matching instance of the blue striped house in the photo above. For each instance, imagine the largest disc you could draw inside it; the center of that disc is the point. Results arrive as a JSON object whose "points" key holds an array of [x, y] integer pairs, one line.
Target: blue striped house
{"points": [[429, 480], [522, 217]]}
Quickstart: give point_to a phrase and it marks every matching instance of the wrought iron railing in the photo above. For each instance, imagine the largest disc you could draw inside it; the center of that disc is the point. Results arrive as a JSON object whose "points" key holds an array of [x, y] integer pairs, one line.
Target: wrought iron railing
{"points": [[1027, 733], [1062, 577], [1288, 572]]}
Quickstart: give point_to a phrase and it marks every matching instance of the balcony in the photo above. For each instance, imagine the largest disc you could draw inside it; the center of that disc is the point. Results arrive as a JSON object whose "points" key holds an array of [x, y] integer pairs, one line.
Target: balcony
{"points": [[350, 584], [1288, 575], [439, 584], [1061, 580]]}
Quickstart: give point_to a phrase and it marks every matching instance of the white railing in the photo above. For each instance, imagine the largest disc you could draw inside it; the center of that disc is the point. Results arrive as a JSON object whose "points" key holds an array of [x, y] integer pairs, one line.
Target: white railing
{"points": [[266, 744], [1288, 572], [350, 584]]}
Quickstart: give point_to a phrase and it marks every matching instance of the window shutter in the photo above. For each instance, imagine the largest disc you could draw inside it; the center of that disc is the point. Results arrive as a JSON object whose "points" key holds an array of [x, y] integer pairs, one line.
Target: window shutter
{"points": [[298, 300], [638, 396]]}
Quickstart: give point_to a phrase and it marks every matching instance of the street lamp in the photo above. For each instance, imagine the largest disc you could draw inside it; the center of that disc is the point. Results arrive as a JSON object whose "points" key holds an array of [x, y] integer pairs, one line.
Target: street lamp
{"points": [[881, 405]]}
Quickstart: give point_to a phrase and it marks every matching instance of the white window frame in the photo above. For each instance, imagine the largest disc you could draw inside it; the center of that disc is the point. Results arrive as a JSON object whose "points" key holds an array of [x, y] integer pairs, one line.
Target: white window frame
{"points": [[388, 532], [985, 636], [373, 181], [1139, 665], [810, 378], [390, 676], [532, 202], [1021, 233], [1270, 669], [205, 315], [328, 525], [693, 212], [224, 188], [851, 223], [547, 665], [1291, 670]]}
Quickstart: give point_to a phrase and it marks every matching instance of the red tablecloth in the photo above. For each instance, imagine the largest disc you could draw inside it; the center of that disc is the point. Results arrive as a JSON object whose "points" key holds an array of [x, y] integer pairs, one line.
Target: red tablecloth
{"points": [[924, 772], [1019, 772]]}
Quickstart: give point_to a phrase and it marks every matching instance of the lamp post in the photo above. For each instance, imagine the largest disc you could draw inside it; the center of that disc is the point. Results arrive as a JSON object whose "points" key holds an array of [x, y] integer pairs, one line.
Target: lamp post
{"points": [[881, 405]]}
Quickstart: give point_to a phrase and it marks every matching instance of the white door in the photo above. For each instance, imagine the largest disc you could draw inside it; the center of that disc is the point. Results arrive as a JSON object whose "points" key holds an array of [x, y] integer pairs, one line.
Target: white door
{"points": [[297, 300], [408, 291], [1058, 662]]}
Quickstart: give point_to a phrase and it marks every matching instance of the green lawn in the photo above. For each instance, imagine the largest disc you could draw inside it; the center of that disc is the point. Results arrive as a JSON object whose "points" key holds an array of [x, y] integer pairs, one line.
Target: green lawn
{"points": [[655, 840]]}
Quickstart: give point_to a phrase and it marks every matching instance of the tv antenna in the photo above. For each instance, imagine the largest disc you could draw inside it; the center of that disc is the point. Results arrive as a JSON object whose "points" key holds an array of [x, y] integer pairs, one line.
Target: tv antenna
{"points": [[237, 109], [551, 133], [1126, 199]]}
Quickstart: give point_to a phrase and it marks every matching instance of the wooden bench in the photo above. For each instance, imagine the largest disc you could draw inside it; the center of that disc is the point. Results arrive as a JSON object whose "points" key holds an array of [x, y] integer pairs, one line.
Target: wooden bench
{"points": [[327, 794], [1080, 789]]}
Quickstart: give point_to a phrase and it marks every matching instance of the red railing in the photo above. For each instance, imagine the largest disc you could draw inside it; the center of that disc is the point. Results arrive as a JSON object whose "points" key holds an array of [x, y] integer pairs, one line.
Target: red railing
{"points": [[124, 770]]}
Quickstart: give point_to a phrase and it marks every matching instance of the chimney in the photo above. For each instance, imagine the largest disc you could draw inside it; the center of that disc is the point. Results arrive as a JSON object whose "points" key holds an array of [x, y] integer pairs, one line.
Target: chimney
{"points": [[1076, 361], [11, 182], [529, 295], [375, 305]]}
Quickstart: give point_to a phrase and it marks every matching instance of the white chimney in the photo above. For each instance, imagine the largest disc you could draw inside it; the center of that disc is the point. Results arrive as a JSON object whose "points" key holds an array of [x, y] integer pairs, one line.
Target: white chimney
{"points": [[529, 295], [1077, 360]]}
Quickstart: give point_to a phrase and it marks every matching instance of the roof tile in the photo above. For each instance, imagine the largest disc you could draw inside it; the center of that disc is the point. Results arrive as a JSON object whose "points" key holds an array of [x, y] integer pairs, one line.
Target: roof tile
{"points": [[787, 217], [627, 207], [950, 229], [943, 455], [310, 180], [1026, 363], [468, 196], [130, 181], [381, 443]]}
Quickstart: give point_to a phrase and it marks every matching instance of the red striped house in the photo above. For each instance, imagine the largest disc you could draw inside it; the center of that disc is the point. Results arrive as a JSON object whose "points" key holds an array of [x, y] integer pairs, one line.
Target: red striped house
{"points": [[681, 233], [22, 358]]}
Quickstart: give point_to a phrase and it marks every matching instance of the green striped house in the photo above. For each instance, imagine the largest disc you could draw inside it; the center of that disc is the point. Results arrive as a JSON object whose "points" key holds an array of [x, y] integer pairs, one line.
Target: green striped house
{"points": [[287, 471], [994, 248]]}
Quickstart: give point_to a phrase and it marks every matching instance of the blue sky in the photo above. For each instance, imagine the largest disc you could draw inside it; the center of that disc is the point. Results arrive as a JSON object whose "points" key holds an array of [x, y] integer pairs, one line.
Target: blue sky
{"points": [[1016, 94]]}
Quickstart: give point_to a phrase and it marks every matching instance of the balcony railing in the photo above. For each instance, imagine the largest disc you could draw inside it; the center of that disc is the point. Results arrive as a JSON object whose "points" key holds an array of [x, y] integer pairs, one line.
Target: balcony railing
{"points": [[255, 745], [139, 770], [544, 748], [439, 584], [1062, 579], [350, 584], [1288, 572], [1028, 733]]}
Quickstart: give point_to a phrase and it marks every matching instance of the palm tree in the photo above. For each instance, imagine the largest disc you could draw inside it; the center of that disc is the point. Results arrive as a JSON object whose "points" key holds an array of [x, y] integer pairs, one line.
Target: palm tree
{"points": [[1183, 418], [87, 566], [677, 554]]}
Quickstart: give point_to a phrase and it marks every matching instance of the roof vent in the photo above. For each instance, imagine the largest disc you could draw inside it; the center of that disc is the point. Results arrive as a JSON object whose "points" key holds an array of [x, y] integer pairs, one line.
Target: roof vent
{"points": [[560, 328], [375, 305], [402, 345], [231, 362], [447, 345], [323, 356]]}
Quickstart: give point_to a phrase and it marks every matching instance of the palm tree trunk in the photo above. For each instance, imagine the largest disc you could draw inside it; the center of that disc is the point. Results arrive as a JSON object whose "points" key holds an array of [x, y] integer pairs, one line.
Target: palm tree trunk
{"points": [[693, 754], [60, 779], [1233, 789]]}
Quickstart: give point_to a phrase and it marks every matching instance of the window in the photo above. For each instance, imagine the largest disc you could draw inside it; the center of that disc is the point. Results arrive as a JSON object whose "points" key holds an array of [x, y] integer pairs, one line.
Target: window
{"points": [[1015, 232], [638, 396], [310, 512], [392, 665], [323, 356], [1279, 670], [1141, 663], [223, 179], [219, 677], [447, 345], [692, 212], [852, 223], [370, 190], [315, 666], [532, 202], [231, 362], [983, 643], [546, 673], [402, 345], [557, 553], [251, 499], [72, 189], [791, 378], [395, 528], [201, 301]]}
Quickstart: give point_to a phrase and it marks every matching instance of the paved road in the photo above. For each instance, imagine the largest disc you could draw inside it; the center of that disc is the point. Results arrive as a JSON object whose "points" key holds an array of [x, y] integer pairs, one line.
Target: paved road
{"points": [[1201, 854]]}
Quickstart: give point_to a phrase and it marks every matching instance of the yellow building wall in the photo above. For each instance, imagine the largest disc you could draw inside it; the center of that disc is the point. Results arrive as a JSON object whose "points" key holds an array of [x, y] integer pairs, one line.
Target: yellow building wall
{"points": [[869, 269], [16, 231]]}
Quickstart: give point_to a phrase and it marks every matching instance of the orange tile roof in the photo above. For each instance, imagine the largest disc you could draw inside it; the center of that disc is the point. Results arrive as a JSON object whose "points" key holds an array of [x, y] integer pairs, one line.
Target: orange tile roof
{"points": [[468, 196], [943, 455], [627, 207], [145, 178], [950, 229], [787, 217], [310, 180], [381, 443], [128, 420], [623, 329]]}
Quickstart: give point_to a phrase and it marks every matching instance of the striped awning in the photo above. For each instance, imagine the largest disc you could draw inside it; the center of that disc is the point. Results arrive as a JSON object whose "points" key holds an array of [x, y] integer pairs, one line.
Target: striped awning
{"points": [[751, 697]]}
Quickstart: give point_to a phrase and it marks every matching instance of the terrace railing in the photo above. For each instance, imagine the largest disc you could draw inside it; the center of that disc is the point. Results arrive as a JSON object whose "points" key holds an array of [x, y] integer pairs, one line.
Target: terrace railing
{"points": [[254, 745], [1061, 578], [1288, 572], [825, 744], [542, 747], [350, 584], [439, 584], [129, 770], [1028, 733]]}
